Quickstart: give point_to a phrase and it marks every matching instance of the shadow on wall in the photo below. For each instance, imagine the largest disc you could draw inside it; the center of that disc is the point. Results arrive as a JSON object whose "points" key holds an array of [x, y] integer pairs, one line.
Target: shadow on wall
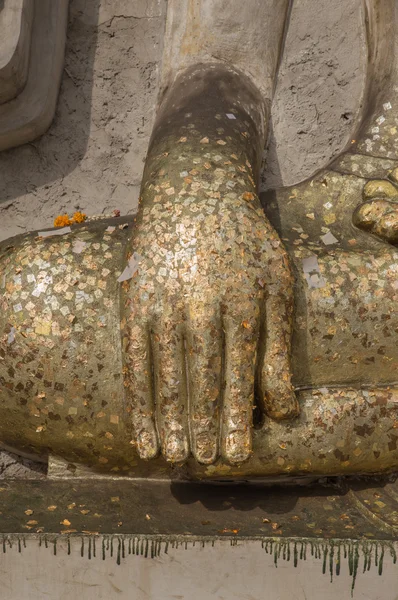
{"points": [[319, 89], [62, 147]]}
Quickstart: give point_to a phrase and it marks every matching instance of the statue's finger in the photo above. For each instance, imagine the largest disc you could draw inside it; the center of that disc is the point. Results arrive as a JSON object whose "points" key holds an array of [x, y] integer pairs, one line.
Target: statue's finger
{"points": [[204, 353], [241, 337], [138, 381], [280, 401], [170, 389]]}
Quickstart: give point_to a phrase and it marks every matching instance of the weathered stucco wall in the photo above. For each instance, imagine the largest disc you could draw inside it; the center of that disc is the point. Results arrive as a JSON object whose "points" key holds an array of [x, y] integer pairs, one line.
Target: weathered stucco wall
{"points": [[318, 93], [92, 156]]}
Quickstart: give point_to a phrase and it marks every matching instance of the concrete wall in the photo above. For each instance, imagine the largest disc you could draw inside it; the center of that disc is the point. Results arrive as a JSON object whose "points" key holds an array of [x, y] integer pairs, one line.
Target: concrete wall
{"points": [[319, 87], [243, 572], [92, 156]]}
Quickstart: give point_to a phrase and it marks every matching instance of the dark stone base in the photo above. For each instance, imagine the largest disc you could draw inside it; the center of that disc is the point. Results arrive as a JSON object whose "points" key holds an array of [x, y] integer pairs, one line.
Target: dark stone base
{"points": [[336, 509]]}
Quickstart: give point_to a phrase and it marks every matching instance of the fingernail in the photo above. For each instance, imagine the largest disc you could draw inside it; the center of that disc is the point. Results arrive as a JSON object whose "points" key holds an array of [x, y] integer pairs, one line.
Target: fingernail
{"points": [[206, 448], [176, 447], [237, 446]]}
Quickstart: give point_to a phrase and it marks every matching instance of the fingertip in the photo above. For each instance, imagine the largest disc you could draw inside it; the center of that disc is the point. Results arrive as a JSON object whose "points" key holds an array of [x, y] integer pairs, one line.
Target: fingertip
{"points": [[284, 408], [147, 445], [205, 448], [176, 447], [237, 446]]}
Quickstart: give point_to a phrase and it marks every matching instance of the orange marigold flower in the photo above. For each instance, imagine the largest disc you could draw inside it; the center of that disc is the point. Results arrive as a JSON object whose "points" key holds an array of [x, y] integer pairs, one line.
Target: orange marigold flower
{"points": [[62, 221], [79, 217]]}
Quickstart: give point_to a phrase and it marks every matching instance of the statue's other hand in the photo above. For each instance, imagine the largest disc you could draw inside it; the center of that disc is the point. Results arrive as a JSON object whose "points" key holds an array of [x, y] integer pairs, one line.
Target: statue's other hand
{"points": [[379, 213]]}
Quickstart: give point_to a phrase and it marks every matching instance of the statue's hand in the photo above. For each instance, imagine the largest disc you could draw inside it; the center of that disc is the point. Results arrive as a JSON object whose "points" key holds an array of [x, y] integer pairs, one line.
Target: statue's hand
{"points": [[208, 316]]}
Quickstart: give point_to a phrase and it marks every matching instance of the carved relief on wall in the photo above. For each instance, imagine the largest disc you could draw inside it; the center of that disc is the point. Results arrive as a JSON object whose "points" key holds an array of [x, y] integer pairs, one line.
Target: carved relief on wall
{"points": [[32, 41]]}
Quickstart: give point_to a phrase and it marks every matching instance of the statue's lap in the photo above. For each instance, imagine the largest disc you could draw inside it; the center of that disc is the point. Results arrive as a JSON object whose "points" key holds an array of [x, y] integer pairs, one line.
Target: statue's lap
{"points": [[61, 358]]}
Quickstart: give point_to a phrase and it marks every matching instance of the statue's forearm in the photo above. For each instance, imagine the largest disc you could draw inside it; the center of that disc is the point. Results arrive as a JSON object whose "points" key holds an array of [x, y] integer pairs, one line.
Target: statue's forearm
{"points": [[248, 35], [208, 137]]}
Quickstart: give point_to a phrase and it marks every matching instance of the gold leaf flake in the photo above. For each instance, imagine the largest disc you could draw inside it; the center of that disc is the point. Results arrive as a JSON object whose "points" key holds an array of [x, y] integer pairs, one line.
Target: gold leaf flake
{"points": [[329, 218], [248, 196], [89, 532], [43, 328], [66, 531]]}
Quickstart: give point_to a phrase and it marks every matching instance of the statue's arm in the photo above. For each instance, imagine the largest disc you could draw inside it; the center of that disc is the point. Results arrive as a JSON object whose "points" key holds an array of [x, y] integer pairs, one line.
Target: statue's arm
{"points": [[208, 312]]}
